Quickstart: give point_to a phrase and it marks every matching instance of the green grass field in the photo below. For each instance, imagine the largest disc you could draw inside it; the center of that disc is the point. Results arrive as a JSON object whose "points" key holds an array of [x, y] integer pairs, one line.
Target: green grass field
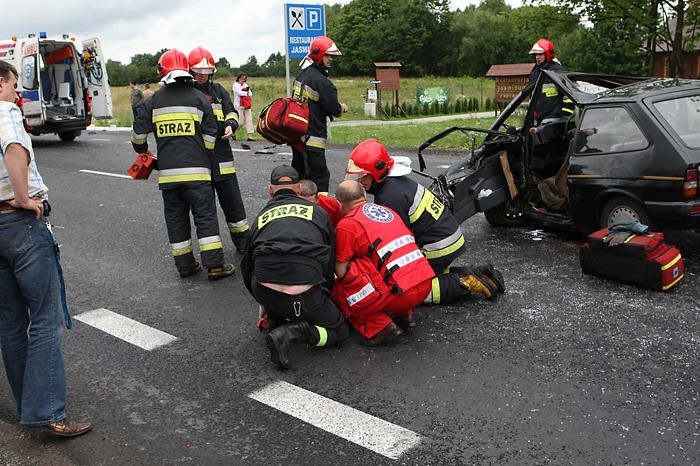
{"points": [[353, 92]]}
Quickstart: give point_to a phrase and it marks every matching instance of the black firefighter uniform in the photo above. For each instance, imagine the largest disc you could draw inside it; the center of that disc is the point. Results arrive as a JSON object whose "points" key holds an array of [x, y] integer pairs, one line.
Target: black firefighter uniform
{"points": [[223, 169], [185, 130]]}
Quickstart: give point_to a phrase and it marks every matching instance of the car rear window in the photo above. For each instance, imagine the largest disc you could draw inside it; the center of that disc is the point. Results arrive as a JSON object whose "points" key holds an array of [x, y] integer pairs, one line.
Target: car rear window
{"points": [[608, 129], [683, 116]]}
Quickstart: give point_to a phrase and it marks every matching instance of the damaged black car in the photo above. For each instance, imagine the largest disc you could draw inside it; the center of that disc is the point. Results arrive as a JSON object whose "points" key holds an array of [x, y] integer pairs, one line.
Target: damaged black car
{"points": [[628, 153]]}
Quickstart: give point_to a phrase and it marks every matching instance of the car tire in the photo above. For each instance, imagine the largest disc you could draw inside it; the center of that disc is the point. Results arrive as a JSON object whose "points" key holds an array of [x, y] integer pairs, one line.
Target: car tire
{"points": [[624, 210], [68, 136], [508, 214]]}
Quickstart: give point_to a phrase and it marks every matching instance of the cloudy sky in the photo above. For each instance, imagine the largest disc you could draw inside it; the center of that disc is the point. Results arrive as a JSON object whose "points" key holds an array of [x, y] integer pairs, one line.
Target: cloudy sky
{"points": [[128, 27]]}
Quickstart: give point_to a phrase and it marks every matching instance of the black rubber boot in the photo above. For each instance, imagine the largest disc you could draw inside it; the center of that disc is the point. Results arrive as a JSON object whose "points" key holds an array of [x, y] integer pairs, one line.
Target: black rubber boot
{"points": [[490, 272], [280, 339]]}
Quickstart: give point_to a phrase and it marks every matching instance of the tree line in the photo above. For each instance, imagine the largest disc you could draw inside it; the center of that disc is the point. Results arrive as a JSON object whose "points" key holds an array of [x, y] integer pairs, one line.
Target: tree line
{"points": [[596, 36]]}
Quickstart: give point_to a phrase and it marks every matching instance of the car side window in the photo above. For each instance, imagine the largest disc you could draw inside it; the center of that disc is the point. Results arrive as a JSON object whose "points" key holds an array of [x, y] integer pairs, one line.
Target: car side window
{"points": [[608, 129], [683, 116]]}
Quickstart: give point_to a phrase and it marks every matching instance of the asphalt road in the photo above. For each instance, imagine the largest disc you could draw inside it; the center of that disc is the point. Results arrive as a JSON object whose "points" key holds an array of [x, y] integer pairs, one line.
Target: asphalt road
{"points": [[562, 369]]}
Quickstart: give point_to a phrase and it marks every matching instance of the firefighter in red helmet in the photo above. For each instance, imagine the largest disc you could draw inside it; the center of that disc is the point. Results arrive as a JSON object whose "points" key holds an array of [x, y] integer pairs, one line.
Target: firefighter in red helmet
{"points": [[549, 102], [435, 229], [202, 66], [185, 129], [313, 86], [550, 105]]}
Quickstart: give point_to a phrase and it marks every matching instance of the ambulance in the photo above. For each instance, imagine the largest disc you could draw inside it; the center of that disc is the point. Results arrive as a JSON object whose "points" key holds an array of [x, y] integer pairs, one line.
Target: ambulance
{"points": [[63, 87]]}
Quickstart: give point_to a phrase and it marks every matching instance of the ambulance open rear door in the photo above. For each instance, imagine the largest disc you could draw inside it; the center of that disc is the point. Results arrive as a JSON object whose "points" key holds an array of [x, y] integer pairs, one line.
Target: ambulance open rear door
{"points": [[30, 83], [95, 68]]}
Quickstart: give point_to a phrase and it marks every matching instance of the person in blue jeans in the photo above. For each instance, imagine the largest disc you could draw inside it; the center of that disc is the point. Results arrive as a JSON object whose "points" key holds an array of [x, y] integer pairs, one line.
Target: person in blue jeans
{"points": [[31, 297]]}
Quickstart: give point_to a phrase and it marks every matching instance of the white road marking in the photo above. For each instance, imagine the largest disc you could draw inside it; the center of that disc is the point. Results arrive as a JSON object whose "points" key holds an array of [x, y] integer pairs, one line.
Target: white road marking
{"points": [[360, 428], [443, 166], [126, 329], [234, 149], [116, 175], [100, 139]]}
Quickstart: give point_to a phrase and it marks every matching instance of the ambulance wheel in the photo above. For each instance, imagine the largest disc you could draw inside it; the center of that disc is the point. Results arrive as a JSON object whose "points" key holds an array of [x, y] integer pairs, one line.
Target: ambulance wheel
{"points": [[508, 214], [68, 136], [624, 210]]}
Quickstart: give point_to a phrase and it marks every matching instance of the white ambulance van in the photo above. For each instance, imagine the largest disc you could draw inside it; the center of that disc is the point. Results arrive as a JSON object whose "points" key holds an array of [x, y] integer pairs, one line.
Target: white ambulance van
{"points": [[63, 86]]}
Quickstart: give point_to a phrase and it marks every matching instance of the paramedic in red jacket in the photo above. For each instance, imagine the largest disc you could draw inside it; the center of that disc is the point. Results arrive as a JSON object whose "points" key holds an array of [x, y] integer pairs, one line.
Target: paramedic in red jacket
{"points": [[382, 274], [309, 191]]}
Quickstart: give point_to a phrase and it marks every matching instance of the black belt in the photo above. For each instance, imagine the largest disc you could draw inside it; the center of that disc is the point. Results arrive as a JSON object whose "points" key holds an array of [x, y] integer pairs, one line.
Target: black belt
{"points": [[6, 207]]}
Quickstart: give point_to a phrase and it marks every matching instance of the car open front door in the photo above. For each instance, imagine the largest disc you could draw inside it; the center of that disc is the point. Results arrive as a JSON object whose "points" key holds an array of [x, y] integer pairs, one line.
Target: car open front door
{"points": [[95, 67], [487, 187], [30, 83]]}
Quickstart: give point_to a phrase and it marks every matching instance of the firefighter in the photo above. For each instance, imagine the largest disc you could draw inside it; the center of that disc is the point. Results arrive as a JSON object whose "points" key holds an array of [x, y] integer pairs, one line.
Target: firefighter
{"points": [[382, 274], [436, 231], [550, 103], [185, 130], [313, 86], [288, 268], [224, 176]]}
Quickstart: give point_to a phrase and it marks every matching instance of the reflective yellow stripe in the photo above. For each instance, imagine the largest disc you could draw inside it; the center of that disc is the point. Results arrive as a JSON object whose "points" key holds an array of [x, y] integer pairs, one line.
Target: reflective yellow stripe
{"points": [[179, 249], [435, 286], [139, 138], [210, 246], [323, 336], [314, 142], [233, 228], [297, 117], [177, 116], [672, 263], [218, 113], [445, 251], [182, 178], [428, 203], [227, 168]]}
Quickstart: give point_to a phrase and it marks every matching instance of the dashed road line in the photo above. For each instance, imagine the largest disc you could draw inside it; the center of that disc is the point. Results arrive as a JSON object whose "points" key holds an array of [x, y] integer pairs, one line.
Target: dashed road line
{"points": [[116, 175], [126, 329], [360, 428]]}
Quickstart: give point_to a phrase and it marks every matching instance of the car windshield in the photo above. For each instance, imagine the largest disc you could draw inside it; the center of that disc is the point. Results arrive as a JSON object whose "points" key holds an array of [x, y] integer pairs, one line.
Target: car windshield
{"points": [[683, 116]]}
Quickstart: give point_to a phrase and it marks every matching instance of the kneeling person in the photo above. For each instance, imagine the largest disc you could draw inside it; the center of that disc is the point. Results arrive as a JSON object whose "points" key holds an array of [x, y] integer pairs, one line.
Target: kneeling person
{"points": [[288, 268], [382, 274]]}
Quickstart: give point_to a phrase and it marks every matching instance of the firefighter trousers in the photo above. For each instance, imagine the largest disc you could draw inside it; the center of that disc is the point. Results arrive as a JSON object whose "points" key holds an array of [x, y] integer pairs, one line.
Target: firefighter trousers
{"points": [[231, 203], [314, 306], [311, 165], [178, 202]]}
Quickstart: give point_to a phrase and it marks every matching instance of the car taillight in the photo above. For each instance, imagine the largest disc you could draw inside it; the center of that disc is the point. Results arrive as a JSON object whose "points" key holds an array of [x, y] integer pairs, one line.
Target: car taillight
{"points": [[690, 183]]}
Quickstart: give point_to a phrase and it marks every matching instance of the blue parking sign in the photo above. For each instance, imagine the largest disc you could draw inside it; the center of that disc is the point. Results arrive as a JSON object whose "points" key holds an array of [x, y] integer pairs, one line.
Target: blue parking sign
{"points": [[303, 24]]}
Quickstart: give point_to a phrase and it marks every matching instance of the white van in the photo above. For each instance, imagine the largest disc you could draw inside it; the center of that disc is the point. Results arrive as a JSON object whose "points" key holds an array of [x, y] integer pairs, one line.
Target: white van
{"points": [[62, 87]]}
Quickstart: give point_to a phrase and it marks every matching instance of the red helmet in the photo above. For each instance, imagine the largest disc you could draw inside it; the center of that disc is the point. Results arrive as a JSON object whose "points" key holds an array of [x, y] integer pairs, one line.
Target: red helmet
{"points": [[544, 46], [201, 61], [369, 157], [172, 60], [321, 46]]}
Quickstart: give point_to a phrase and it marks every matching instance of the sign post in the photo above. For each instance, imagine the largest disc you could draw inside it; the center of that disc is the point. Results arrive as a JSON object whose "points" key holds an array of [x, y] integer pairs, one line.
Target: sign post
{"points": [[302, 23]]}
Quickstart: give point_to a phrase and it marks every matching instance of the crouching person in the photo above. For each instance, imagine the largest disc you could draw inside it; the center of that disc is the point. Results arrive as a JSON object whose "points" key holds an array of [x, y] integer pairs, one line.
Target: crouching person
{"points": [[288, 268], [383, 275]]}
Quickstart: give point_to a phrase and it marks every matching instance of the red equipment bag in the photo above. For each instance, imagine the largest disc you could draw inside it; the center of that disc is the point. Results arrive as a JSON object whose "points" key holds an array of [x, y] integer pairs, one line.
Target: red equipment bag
{"points": [[284, 121], [142, 167], [642, 260]]}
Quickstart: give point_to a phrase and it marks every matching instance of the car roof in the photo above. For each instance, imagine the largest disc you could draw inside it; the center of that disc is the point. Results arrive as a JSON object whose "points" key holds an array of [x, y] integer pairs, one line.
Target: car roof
{"points": [[587, 87]]}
